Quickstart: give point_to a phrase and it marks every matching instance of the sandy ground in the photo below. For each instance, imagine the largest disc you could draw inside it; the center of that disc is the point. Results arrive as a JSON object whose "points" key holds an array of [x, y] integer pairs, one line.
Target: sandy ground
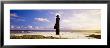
{"points": [[70, 35]]}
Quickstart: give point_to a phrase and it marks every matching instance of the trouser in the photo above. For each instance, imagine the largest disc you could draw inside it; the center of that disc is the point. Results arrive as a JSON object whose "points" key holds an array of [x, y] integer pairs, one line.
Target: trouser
{"points": [[57, 31]]}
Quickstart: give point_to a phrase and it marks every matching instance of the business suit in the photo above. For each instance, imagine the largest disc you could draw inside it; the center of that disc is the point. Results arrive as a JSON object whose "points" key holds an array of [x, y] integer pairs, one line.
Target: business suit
{"points": [[57, 25]]}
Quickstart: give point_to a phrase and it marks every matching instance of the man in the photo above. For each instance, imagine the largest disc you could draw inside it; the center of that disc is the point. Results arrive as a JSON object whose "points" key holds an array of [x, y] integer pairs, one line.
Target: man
{"points": [[57, 25]]}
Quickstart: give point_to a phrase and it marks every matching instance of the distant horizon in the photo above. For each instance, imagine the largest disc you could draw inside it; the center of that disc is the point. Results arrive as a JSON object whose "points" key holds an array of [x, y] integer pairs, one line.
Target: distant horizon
{"points": [[25, 31]]}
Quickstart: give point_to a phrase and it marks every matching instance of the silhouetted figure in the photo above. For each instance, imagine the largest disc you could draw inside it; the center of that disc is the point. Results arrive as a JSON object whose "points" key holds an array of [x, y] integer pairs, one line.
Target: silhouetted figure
{"points": [[57, 25]]}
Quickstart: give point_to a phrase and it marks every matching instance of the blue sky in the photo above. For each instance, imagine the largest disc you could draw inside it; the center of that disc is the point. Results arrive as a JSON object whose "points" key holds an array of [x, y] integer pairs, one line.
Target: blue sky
{"points": [[45, 19]]}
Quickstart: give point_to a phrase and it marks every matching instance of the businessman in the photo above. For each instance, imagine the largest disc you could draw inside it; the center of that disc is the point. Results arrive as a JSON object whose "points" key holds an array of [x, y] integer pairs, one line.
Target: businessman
{"points": [[57, 25]]}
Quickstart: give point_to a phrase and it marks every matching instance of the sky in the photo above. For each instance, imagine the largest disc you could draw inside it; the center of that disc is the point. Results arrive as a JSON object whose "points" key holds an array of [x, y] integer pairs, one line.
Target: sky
{"points": [[44, 19]]}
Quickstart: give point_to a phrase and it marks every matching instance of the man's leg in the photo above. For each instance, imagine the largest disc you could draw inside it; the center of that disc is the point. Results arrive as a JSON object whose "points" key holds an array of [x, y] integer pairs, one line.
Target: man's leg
{"points": [[57, 31]]}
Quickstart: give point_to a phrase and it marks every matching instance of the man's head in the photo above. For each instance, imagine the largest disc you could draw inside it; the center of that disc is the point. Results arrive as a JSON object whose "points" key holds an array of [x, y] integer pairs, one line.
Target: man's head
{"points": [[57, 16]]}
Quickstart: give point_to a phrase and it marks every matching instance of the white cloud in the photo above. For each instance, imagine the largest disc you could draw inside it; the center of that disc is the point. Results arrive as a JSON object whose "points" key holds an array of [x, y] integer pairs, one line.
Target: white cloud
{"points": [[12, 26], [41, 19], [36, 27], [66, 21], [25, 27], [20, 20], [41, 28], [13, 15], [18, 27], [15, 27], [30, 27], [88, 19]]}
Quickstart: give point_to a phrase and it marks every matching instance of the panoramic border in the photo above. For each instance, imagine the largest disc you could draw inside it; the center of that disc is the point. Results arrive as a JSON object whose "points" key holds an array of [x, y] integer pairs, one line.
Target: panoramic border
{"points": [[11, 2]]}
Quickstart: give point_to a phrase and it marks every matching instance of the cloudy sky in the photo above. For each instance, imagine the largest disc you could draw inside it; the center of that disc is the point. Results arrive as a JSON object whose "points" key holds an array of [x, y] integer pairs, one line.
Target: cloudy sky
{"points": [[70, 19]]}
